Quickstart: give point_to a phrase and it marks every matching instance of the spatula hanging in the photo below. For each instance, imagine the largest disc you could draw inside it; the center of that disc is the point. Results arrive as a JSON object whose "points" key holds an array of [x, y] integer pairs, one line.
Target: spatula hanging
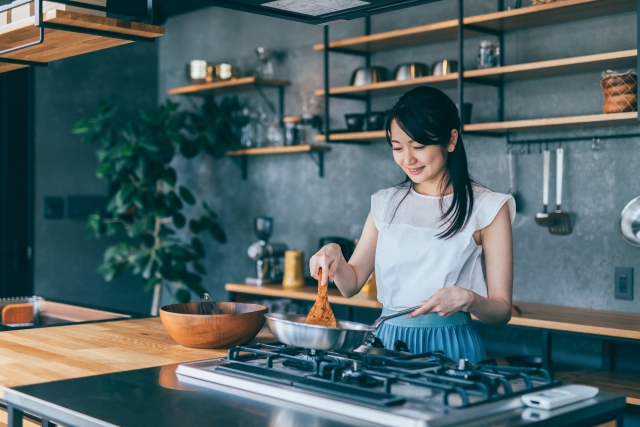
{"points": [[321, 313], [559, 222]]}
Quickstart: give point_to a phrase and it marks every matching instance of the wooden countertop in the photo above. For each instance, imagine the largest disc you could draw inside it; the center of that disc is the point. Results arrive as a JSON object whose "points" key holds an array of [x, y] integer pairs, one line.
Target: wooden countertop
{"points": [[553, 317], [31, 356]]}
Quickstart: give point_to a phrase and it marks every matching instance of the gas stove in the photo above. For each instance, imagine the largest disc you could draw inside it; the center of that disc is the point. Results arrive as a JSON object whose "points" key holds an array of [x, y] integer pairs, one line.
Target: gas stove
{"points": [[386, 387]]}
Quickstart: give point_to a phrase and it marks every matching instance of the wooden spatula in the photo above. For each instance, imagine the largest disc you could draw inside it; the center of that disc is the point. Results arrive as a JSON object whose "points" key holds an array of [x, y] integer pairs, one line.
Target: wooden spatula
{"points": [[321, 313]]}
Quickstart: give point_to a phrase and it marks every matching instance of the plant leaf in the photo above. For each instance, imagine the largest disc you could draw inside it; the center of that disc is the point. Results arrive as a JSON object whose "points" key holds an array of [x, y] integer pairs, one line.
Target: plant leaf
{"points": [[170, 177], [179, 220], [218, 233], [198, 247], [186, 195]]}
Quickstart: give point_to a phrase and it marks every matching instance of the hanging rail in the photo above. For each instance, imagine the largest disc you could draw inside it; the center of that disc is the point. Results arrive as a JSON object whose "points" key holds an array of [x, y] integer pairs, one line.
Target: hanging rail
{"points": [[576, 138]]}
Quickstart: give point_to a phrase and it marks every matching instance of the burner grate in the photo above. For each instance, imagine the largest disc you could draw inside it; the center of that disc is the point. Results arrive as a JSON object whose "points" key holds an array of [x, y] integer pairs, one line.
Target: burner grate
{"points": [[439, 382], [345, 391]]}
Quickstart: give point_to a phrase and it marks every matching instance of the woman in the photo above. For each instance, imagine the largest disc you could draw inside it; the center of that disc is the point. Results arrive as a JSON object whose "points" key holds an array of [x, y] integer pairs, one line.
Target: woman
{"points": [[426, 236]]}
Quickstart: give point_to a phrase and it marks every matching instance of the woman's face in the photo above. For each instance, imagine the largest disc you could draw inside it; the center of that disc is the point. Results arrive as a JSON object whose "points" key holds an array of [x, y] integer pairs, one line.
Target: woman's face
{"points": [[421, 163]]}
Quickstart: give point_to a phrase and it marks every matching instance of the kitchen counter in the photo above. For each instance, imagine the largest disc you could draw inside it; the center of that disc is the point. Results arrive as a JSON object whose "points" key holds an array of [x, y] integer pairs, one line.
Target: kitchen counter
{"points": [[49, 354], [555, 317], [124, 348], [607, 325]]}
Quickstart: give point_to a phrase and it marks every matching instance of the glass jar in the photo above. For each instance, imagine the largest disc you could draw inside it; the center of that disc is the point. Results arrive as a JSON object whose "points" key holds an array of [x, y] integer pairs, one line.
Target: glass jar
{"points": [[291, 130], [488, 54]]}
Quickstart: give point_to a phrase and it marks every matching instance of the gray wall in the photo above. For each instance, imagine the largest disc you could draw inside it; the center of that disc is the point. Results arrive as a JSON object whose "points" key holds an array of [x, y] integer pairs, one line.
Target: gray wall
{"points": [[66, 92], [573, 271]]}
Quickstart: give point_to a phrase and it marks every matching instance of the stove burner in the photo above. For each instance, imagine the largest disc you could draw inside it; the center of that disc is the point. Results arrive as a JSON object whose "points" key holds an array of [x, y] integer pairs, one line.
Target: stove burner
{"points": [[299, 365], [464, 369], [360, 378]]}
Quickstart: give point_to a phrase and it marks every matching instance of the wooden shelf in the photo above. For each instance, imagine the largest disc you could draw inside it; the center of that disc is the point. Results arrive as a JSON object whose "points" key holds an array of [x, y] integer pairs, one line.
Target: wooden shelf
{"points": [[307, 293], [532, 16], [279, 150], [227, 85], [579, 64], [60, 44], [441, 82], [531, 125], [555, 67], [556, 123], [354, 136]]}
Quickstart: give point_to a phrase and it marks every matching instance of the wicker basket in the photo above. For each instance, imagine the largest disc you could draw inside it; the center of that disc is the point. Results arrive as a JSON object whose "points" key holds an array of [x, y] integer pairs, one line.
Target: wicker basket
{"points": [[620, 91]]}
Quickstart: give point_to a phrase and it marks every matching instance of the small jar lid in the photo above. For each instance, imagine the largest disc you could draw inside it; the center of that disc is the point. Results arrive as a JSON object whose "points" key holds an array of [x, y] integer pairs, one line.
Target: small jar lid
{"points": [[291, 119]]}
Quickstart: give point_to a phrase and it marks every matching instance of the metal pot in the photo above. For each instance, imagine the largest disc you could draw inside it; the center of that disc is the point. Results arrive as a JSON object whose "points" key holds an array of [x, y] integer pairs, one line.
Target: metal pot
{"points": [[368, 75], [411, 70], [291, 329], [444, 67], [630, 222]]}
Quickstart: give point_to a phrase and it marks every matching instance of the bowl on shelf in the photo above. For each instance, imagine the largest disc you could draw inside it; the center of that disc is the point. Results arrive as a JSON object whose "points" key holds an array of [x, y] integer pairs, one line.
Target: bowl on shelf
{"points": [[355, 122], [411, 70], [368, 75], [376, 120], [236, 324], [444, 67]]}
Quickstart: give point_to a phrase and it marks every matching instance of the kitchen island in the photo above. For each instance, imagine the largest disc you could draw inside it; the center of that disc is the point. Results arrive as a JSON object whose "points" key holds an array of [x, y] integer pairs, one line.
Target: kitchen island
{"points": [[142, 388]]}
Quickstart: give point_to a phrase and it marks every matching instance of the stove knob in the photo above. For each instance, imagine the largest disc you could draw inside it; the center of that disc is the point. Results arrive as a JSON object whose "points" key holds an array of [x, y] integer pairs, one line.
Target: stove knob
{"points": [[377, 342], [463, 364], [401, 346]]}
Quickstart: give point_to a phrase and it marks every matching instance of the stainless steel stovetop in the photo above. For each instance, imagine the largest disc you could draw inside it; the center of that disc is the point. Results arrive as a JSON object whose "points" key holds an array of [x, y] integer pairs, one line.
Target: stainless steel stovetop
{"points": [[375, 385]]}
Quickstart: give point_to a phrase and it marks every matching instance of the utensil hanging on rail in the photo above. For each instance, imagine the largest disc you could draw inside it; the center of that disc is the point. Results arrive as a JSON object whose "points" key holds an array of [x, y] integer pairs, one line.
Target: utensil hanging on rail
{"points": [[630, 222], [512, 187], [542, 218], [321, 313], [559, 222]]}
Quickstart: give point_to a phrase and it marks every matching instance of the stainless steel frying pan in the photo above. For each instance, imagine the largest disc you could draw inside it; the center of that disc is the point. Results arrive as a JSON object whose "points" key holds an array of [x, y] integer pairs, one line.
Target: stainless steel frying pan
{"points": [[630, 222], [291, 329]]}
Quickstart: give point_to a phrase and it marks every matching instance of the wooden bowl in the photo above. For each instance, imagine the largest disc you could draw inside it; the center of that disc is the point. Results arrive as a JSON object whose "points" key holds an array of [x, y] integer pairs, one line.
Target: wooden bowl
{"points": [[235, 325]]}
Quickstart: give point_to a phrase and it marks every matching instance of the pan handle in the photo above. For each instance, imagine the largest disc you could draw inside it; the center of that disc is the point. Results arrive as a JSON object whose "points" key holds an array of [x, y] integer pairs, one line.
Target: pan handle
{"points": [[383, 319]]}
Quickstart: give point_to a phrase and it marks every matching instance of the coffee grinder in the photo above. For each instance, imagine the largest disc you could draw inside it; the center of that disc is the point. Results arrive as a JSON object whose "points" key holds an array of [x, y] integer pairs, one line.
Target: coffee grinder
{"points": [[269, 257]]}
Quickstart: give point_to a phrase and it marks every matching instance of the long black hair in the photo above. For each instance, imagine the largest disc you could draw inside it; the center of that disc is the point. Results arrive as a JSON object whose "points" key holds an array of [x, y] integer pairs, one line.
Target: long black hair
{"points": [[428, 116]]}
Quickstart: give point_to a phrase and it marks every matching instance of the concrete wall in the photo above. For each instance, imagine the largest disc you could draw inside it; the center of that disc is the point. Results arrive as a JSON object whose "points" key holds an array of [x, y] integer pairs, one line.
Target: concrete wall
{"points": [[574, 271], [66, 92]]}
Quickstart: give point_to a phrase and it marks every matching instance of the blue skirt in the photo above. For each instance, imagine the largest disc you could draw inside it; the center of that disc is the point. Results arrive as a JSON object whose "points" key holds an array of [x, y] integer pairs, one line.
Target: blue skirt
{"points": [[455, 335]]}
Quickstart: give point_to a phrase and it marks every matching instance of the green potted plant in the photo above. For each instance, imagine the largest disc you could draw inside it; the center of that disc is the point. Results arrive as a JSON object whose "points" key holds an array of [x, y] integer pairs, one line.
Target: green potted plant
{"points": [[147, 203]]}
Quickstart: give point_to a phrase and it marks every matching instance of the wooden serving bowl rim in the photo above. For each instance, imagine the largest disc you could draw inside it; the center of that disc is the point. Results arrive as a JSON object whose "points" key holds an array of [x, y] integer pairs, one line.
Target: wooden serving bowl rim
{"points": [[259, 309]]}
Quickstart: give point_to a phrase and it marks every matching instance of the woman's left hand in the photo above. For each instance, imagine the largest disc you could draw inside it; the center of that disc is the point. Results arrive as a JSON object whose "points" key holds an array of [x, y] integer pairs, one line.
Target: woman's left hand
{"points": [[445, 302]]}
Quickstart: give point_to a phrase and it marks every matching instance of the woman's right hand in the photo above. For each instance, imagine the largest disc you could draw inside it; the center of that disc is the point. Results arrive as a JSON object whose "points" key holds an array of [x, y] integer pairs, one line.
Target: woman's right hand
{"points": [[328, 259]]}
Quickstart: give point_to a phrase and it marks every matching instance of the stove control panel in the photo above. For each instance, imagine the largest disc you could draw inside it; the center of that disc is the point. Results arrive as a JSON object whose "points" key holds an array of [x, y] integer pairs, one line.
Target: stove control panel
{"points": [[559, 396]]}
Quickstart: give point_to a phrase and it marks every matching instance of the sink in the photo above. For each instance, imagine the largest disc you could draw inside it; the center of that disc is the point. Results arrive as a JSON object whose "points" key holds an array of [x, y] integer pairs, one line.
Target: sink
{"points": [[47, 313]]}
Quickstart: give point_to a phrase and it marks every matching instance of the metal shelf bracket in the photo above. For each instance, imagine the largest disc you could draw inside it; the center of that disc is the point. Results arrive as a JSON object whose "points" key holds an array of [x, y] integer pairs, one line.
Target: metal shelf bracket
{"points": [[318, 158], [242, 163]]}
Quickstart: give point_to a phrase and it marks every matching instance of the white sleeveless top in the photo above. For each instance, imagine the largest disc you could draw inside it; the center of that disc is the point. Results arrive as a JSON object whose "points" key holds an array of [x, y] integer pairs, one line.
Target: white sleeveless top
{"points": [[412, 263]]}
